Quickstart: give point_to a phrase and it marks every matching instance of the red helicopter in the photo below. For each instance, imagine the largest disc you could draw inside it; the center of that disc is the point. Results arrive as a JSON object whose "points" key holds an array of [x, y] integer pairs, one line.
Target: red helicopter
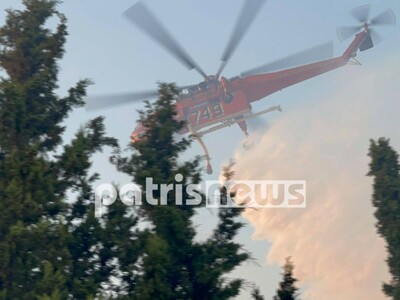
{"points": [[218, 102]]}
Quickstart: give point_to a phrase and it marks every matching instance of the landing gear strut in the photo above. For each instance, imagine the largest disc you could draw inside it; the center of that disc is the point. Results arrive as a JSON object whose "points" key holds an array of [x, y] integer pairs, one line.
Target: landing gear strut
{"points": [[206, 154], [243, 126]]}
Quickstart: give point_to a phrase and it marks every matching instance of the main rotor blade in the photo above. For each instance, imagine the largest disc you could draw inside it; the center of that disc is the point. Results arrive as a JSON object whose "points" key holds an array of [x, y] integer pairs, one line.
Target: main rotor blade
{"points": [[385, 18], [141, 16], [246, 17], [361, 14], [99, 102], [318, 53], [348, 31]]}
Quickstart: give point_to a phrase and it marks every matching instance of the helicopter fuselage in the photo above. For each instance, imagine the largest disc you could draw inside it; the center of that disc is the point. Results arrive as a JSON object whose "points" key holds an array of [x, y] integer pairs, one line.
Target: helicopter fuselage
{"points": [[222, 101]]}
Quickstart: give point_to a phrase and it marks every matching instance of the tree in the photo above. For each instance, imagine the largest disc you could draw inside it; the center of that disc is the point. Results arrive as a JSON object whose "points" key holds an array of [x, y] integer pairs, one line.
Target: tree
{"points": [[385, 169], [174, 265], [50, 248], [287, 289]]}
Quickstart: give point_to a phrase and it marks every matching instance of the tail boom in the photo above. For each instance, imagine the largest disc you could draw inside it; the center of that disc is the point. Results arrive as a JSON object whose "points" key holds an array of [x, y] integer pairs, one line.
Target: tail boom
{"points": [[259, 86]]}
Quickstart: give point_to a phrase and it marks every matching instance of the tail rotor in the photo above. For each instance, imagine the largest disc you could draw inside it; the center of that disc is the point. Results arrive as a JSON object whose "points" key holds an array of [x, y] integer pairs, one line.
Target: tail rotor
{"points": [[362, 16]]}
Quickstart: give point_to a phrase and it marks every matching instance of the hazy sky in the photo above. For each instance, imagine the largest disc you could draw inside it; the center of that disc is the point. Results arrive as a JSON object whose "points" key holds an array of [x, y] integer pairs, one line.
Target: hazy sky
{"points": [[105, 47]]}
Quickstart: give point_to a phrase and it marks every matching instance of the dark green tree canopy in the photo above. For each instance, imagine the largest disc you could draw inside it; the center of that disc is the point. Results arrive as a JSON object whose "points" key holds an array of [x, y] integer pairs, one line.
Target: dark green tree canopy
{"points": [[287, 289], [175, 265], [30, 111], [385, 169], [47, 244]]}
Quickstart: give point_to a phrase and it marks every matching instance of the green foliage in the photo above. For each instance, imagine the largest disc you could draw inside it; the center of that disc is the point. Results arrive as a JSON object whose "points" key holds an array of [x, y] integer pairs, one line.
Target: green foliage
{"points": [[173, 264], [287, 289], [50, 248], [385, 170]]}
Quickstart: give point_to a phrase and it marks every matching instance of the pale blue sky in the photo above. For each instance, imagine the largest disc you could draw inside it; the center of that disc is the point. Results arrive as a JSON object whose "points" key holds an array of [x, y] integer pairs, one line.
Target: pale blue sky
{"points": [[105, 47]]}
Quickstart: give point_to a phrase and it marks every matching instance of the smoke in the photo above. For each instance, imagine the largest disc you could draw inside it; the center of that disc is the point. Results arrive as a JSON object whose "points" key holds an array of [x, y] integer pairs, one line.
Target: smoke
{"points": [[333, 242]]}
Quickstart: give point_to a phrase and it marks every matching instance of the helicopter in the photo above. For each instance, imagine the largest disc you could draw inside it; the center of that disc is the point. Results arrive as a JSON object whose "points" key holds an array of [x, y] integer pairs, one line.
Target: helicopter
{"points": [[218, 102]]}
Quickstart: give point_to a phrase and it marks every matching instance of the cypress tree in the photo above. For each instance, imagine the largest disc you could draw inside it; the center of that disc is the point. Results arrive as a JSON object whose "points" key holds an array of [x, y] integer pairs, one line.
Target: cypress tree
{"points": [[50, 247], [385, 169], [287, 289]]}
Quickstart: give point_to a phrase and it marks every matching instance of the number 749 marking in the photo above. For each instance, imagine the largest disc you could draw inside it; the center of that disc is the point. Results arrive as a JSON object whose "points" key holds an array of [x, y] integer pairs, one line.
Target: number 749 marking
{"points": [[208, 112]]}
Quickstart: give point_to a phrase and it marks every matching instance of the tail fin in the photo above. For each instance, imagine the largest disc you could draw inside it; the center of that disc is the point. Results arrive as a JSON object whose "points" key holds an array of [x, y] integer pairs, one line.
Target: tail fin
{"points": [[367, 43]]}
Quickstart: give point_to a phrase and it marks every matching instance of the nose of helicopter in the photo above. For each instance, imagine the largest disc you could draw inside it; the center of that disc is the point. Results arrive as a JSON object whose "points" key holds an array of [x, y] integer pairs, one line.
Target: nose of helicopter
{"points": [[138, 134], [134, 137]]}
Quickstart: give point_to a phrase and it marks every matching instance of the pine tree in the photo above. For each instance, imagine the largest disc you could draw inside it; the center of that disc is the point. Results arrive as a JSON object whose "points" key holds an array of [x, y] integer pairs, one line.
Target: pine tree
{"points": [[50, 248], [287, 289], [385, 170], [173, 265]]}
